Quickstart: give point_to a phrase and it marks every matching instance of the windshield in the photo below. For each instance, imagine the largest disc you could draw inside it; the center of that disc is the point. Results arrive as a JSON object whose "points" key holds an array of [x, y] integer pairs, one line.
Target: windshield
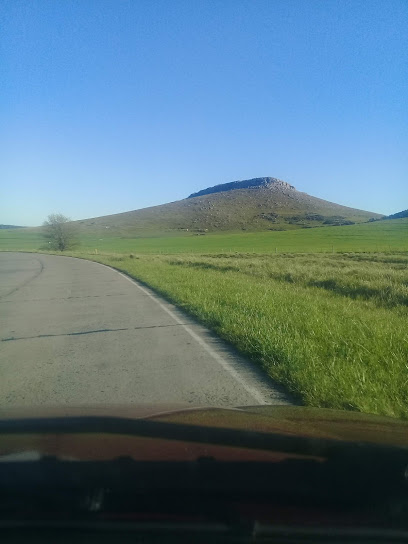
{"points": [[203, 204]]}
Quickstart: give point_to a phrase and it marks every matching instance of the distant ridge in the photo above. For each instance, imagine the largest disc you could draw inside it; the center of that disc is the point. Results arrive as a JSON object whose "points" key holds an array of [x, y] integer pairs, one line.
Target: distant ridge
{"points": [[398, 215], [11, 227], [244, 184]]}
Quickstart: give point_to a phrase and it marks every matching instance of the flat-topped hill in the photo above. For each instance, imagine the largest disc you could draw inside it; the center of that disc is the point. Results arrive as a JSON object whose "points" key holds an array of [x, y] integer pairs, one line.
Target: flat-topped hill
{"points": [[250, 205]]}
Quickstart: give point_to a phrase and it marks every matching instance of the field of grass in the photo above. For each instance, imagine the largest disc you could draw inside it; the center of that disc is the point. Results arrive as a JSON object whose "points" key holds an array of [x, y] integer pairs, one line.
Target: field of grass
{"points": [[331, 327], [378, 236]]}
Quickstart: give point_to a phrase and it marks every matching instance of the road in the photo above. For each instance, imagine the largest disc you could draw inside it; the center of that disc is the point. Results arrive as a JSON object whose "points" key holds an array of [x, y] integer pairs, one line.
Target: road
{"points": [[74, 332]]}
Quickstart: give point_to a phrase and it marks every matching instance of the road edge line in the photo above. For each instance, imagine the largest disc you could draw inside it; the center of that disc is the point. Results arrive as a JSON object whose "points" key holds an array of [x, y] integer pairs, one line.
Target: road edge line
{"points": [[251, 390]]}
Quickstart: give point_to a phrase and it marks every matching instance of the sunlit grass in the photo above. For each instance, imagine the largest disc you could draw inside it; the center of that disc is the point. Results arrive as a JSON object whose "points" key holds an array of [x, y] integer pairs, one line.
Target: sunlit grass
{"points": [[379, 236], [332, 328]]}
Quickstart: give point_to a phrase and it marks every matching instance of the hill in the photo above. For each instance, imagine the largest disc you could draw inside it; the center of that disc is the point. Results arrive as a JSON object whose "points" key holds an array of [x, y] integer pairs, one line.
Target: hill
{"points": [[398, 215], [255, 205]]}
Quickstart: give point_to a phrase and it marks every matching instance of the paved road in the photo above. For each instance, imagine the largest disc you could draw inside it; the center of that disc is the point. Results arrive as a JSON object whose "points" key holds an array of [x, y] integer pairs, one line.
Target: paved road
{"points": [[76, 332]]}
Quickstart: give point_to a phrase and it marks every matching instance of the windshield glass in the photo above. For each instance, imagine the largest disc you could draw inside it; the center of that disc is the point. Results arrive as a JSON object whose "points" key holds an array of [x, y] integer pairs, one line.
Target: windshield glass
{"points": [[203, 204]]}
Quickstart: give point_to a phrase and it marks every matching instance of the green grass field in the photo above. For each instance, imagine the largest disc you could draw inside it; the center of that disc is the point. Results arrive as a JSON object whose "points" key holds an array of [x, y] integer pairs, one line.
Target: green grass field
{"points": [[378, 236], [332, 328]]}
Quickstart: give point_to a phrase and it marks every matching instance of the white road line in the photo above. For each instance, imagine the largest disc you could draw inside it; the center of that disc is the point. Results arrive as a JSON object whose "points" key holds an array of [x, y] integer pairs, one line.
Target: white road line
{"points": [[250, 389]]}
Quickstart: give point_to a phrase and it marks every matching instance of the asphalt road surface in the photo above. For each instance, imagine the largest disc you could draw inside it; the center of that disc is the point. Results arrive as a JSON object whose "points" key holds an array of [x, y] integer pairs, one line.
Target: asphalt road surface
{"points": [[74, 332]]}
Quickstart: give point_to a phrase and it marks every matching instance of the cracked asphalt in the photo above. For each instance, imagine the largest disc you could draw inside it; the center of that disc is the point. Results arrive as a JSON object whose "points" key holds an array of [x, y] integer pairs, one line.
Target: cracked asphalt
{"points": [[74, 332]]}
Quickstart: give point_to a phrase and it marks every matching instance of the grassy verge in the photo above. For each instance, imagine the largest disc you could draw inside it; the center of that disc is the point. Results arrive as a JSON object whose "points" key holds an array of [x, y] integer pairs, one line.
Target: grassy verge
{"points": [[331, 328]]}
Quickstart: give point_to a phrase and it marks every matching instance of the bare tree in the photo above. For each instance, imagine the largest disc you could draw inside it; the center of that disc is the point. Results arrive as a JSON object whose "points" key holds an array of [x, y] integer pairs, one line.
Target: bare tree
{"points": [[59, 232]]}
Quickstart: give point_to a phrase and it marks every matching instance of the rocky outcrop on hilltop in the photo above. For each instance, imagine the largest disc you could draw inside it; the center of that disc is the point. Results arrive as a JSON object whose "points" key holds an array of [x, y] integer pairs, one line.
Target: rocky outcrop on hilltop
{"points": [[258, 204], [272, 183]]}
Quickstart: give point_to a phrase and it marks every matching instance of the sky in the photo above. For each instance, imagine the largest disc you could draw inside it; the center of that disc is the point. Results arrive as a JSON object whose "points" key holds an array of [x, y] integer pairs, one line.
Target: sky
{"points": [[114, 105]]}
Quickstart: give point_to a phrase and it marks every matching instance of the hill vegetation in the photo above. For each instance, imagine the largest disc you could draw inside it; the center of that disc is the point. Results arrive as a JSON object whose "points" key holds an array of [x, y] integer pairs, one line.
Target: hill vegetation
{"points": [[259, 204], [398, 215]]}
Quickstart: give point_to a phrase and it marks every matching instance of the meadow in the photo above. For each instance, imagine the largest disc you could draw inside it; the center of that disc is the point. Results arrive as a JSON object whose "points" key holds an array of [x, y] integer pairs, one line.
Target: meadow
{"points": [[380, 236], [328, 323]]}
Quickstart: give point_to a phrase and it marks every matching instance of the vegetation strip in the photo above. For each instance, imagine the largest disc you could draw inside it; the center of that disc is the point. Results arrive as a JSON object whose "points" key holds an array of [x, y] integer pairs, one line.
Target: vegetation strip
{"points": [[379, 236]]}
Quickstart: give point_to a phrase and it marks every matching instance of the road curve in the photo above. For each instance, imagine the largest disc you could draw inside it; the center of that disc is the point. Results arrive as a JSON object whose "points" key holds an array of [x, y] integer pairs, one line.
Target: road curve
{"points": [[74, 332]]}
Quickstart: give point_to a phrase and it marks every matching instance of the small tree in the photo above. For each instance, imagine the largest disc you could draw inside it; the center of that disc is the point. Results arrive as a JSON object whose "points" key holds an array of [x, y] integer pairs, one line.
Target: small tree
{"points": [[59, 232]]}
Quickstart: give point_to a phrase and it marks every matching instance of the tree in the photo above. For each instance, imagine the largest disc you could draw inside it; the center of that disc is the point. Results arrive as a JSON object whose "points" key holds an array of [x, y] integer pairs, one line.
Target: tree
{"points": [[59, 232]]}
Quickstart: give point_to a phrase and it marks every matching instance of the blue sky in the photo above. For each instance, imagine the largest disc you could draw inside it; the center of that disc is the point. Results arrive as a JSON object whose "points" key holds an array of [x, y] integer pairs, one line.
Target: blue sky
{"points": [[114, 105]]}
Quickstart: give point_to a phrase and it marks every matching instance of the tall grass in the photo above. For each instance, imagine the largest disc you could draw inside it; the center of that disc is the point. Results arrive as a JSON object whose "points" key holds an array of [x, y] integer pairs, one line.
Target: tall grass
{"points": [[332, 328]]}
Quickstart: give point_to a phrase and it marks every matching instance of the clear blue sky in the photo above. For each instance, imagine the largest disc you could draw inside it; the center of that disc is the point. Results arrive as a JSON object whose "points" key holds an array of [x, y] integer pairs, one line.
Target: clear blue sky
{"points": [[114, 105]]}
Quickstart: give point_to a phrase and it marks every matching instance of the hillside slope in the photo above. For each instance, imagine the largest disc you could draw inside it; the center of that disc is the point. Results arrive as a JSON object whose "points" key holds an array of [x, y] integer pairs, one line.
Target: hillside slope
{"points": [[253, 205], [398, 215]]}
